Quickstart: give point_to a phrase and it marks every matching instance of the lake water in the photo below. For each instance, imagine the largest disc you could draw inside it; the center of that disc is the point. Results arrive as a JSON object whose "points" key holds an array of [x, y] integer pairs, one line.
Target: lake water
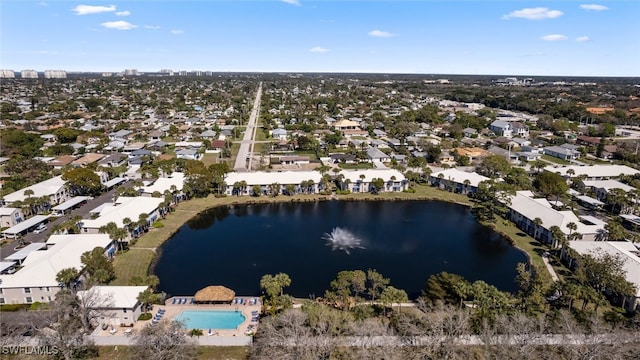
{"points": [[406, 241]]}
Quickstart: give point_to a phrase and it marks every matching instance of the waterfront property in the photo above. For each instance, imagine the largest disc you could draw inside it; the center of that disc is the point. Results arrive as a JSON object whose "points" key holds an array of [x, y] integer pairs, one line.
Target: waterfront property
{"points": [[53, 188], [123, 207], [265, 179], [459, 181], [593, 172], [359, 181], [211, 319], [524, 209]]}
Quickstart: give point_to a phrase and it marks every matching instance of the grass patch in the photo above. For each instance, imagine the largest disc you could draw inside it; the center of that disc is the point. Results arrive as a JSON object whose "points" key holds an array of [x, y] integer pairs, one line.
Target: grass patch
{"points": [[554, 160], [526, 243], [210, 159], [134, 262], [364, 165]]}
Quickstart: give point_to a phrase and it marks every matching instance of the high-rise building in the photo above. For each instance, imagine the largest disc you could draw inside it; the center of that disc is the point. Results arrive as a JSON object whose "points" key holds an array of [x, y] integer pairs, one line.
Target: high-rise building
{"points": [[107, 74], [166, 72], [182, 73], [55, 74], [197, 73], [131, 72], [29, 74], [7, 74]]}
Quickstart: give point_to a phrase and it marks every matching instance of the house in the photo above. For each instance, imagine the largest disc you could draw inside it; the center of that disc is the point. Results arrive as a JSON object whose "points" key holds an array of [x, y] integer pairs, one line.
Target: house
{"points": [[342, 158], [456, 180], [87, 159], [358, 181], [520, 130], [469, 132], [623, 250], [122, 208], [120, 135], [163, 184], [35, 280], [265, 179], [345, 124], [376, 155], [61, 161], [501, 128], [561, 152], [116, 305], [279, 133], [294, 160], [472, 153], [10, 217], [593, 172], [113, 160], [524, 209], [54, 188], [208, 134], [189, 154]]}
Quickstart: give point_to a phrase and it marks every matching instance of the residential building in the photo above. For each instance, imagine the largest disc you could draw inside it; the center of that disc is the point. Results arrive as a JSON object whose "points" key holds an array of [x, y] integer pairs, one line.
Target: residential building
{"points": [[279, 133], [593, 172], [189, 154], [358, 181], [345, 124], [457, 180], [501, 128], [123, 207], [115, 305], [264, 179], [524, 209], [10, 217], [54, 188], [376, 155], [163, 184], [35, 280], [7, 74], [55, 74], [29, 74], [602, 187], [623, 250], [561, 152]]}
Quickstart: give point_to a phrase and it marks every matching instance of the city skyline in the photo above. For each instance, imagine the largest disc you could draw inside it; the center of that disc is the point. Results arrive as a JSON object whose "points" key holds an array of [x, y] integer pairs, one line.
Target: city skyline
{"points": [[431, 37]]}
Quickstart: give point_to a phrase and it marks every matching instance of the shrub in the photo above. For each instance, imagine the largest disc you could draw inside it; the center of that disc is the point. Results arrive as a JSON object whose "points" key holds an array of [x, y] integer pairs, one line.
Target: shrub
{"points": [[409, 190], [14, 307], [157, 225], [220, 195], [145, 316], [343, 192]]}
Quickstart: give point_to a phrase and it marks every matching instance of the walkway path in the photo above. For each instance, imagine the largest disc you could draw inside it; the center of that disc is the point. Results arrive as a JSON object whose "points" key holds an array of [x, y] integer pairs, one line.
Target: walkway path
{"points": [[552, 271], [246, 145]]}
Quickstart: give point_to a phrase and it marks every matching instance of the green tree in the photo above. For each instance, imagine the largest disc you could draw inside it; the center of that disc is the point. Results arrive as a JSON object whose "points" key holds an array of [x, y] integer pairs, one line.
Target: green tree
{"points": [[391, 295], [346, 286], [550, 184], [98, 266], [446, 287], [67, 276], [493, 166], [147, 297], [82, 181], [375, 283]]}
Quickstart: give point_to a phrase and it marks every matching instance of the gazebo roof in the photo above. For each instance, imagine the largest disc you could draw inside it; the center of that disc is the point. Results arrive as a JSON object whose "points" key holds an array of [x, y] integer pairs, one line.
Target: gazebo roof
{"points": [[214, 293]]}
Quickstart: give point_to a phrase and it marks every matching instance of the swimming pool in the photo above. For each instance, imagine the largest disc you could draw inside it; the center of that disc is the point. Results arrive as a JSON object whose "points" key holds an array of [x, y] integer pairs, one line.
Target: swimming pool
{"points": [[210, 319]]}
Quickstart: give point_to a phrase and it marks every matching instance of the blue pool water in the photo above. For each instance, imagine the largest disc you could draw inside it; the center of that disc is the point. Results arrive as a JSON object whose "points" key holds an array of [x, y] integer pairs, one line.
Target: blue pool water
{"points": [[207, 319]]}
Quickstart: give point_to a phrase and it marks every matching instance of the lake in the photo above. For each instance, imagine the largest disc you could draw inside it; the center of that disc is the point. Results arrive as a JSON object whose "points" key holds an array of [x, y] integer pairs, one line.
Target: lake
{"points": [[406, 241]]}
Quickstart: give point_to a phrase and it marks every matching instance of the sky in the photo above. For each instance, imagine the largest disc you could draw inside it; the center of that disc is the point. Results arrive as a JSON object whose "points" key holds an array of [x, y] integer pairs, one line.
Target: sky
{"points": [[501, 37]]}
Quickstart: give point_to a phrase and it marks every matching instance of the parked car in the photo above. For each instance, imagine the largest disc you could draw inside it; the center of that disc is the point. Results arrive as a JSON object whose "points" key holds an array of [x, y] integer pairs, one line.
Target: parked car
{"points": [[40, 228]]}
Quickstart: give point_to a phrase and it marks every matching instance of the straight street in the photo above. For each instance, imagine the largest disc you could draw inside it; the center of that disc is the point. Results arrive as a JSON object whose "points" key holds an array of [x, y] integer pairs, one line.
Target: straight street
{"points": [[243, 160]]}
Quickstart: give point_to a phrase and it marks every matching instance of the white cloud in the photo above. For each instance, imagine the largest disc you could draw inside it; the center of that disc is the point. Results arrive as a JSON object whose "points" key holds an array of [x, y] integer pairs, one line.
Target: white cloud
{"points": [[380, 34], [123, 13], [554, 37], [177, 32], [292, 2], [318, 49], [92, 9], [583, 39], [152, 27], [594, 7], [538, 13], [118, 25]]}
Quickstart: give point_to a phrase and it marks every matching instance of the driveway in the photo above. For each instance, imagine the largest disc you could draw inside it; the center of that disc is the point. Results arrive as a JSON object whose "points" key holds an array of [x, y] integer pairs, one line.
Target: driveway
{"points": [[83, 211]]}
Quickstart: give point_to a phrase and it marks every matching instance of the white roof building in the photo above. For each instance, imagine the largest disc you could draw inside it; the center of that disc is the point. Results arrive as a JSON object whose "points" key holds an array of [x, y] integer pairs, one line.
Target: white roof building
{"points": [[53, 187], [608, 185], [370, 174], [625, 250], [40, 267], [124, 207], [118, 296], [266, 178], [531, 208], [594, 172], [459, 176], [165, 183]]}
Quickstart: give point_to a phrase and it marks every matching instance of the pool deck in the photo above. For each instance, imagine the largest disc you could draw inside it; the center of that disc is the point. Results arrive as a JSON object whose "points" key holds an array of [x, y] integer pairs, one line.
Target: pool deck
{"points": [[173, 310]]}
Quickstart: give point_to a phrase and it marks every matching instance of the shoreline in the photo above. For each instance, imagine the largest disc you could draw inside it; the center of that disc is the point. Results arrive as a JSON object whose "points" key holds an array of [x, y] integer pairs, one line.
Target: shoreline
{"points": [[192, 208]]}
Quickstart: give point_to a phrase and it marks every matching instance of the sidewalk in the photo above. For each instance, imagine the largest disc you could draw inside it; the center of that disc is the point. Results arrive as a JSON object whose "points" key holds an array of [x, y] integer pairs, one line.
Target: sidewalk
{"points": [[545, 259]]}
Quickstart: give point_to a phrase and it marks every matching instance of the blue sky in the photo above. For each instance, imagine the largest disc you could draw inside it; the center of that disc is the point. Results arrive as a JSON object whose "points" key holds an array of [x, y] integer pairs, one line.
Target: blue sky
{"points": [[600, 38]]}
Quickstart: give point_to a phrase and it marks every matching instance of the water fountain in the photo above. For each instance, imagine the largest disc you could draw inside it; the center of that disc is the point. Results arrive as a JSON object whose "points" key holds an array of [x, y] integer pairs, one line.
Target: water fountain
{"points": [[342, 239]]}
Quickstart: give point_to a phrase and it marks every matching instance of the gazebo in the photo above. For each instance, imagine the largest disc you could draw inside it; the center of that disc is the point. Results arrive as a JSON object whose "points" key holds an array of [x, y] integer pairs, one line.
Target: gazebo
{"points": [[214, 295]]}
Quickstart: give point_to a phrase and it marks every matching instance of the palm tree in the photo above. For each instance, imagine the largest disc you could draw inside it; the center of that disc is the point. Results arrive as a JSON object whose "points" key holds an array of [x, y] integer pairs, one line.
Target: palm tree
{"points": [[572, 227], [537, 222], [28, 193]]}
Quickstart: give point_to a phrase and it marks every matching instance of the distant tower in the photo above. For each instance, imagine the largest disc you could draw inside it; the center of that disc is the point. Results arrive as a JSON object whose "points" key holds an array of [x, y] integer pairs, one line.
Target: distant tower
{"points": [[29, 74], [131, 72], [7, 74], [55, 74]]}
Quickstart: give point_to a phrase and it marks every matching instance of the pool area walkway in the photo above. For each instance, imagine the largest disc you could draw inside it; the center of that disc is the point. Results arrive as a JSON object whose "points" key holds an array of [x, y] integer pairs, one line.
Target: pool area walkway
{"points": [[249, 306]]}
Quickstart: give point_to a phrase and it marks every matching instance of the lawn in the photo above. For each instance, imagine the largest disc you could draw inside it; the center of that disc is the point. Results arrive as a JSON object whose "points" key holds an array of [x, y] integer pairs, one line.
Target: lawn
{"points": [[554, 160], [357, 166], [134, 262], [209, 159]]}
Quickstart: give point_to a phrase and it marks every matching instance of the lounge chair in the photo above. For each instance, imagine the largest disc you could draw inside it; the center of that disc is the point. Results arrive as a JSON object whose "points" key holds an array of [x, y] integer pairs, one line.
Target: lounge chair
{"points": [[193, 301], [113, 330], [128, 332], [174, 301], [241, 302]]}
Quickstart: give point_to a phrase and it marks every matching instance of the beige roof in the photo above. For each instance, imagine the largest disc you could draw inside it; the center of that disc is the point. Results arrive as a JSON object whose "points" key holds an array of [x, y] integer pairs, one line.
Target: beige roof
{"points": [[214, 294]]}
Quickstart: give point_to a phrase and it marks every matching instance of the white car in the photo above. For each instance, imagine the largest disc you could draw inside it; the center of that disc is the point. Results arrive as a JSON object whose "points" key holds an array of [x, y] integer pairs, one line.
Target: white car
{"points": [[40, 229]]}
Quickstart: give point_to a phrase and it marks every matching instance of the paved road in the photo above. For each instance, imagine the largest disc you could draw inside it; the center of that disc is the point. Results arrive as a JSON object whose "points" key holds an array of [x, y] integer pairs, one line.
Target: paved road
{"points": [[83, 211], [249, 135]]}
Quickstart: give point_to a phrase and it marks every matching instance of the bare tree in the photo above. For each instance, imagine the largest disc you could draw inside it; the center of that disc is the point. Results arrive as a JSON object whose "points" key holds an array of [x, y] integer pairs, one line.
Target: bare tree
{"points": [[163, 341]]}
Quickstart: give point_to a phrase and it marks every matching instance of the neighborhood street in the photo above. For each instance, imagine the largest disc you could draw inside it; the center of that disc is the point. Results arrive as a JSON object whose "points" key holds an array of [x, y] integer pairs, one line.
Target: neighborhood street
{"points": [[83, 211], [249, 135]]}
